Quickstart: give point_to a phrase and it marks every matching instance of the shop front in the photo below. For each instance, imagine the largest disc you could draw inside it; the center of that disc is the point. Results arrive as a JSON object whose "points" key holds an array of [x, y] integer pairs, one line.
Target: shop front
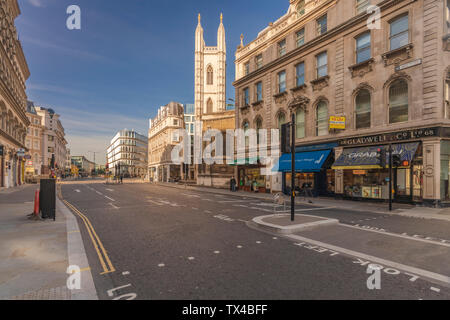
{"points": [[312, 170], [364, 178]]}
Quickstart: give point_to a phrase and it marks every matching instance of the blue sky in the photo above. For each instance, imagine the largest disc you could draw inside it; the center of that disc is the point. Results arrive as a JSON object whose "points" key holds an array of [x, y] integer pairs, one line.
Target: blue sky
{"points": [[129, 58]]}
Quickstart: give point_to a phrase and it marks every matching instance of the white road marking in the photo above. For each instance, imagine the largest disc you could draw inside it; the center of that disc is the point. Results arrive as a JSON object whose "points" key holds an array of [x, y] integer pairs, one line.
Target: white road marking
{"points": [[413, 270], [435, 289], [242, 220], [191, 258], [275, 238], [161, 265], [98, 192], [125, 273], [154, 202], [76, 190], [110, 190], [258, 242], [109, 198], [207, 211], [216, 252], [194, 208], [239, 247], [112, 205]]}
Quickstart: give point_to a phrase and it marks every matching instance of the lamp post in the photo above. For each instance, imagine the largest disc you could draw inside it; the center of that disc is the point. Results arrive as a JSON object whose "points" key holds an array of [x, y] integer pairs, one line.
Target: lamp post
{"points": [[95, 169]]}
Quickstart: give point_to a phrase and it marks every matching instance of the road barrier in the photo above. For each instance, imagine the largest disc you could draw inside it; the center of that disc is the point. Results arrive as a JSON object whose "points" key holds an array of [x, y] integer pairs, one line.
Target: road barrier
{"points": [[47, 199]]}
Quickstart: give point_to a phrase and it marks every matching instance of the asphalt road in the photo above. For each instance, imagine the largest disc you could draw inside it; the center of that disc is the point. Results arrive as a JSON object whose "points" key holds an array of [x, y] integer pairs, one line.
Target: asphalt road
{"points": [[167, 243]]}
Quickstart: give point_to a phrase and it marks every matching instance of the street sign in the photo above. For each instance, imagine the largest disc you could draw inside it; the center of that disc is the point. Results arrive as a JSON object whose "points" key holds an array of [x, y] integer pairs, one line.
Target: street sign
{"points": [[337, 123], [21, 152]]}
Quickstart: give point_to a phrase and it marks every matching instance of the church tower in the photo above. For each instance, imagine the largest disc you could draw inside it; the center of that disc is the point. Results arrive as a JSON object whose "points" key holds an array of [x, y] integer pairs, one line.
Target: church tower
{"points": [[210, 73]]}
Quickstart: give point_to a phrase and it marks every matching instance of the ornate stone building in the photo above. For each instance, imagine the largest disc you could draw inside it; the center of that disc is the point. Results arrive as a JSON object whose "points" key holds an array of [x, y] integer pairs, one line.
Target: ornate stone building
{"points": [[210, 100], [387, 82], [163, 135], [33, 142], [13, 100]]}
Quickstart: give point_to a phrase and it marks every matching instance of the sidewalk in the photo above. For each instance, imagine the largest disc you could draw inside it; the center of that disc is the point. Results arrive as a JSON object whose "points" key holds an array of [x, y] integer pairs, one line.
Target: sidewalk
{"points": [[35, 255], [362, 206]]}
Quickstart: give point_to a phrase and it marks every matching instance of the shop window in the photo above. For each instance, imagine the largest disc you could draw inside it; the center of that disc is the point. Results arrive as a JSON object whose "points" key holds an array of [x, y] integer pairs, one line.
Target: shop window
{"points": [[398, 101], [322, 119], [362, 109], [447, 15], [445, 171], [399, 32], [300, 123]]}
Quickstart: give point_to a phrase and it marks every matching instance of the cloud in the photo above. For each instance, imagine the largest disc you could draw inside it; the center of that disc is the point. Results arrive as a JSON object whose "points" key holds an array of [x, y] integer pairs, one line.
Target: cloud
{"points": [[36, 3], [53, 89], [64, 49]]}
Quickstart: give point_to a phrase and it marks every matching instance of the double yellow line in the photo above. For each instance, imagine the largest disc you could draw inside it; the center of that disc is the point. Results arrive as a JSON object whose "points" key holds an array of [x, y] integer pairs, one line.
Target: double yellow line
{"points": [[98, 245]]}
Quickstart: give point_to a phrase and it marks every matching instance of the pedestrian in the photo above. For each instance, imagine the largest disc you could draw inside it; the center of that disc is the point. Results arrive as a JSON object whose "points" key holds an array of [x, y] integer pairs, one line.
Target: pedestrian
{"points": [[233, 184], [121, 179]]}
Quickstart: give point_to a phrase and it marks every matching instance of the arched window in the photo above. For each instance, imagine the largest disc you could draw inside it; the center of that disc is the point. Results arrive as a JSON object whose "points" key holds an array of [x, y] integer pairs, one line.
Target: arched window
{"points": [[362, 109], [322, 119], [281, 120], [258, 127], [246, 126], [209, 106], [301, 8], [210, 75], [300, 123], [398, 101]]}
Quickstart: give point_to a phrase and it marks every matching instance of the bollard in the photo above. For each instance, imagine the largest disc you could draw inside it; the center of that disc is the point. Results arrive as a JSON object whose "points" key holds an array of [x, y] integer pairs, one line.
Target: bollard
{"points": [[36, 203]]}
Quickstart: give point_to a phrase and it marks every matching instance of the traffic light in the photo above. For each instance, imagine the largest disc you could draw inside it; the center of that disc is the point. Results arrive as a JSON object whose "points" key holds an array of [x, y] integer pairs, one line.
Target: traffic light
{"points": [[396, 161], [381, 157], [285, 138]]}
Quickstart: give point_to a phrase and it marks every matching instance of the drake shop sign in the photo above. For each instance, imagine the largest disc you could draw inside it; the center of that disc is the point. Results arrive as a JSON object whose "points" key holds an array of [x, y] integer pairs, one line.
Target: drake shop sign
{"points": [[392, 137]]}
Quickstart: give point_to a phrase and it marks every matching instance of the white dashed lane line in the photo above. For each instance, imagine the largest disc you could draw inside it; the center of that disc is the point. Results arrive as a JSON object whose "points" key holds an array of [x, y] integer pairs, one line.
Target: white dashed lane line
{"points": [[109, 198]]}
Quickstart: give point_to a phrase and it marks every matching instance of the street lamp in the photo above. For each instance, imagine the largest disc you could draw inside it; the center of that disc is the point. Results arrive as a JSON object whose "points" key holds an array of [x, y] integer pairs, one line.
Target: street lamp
{"points": [[95, 169]]}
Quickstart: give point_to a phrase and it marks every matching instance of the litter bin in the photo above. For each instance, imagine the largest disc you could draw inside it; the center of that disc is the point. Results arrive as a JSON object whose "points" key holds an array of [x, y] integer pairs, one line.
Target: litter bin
{"points": [[47, 199]]}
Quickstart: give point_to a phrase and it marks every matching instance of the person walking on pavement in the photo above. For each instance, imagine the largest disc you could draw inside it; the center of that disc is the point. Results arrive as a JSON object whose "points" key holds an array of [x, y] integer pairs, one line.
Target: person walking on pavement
{"points": [[233, 184], [121, 179]]}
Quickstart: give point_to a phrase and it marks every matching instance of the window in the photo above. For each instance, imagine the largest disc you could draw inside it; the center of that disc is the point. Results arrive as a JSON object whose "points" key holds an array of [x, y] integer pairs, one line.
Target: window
{"points": [[51, 149], [259, 61], [447, 97], [36, 133], [209, 106], [259, 96], [282, 82], [322, 65], [300, 74], [28, 144], [399, 36], [192, 128], [447, 14], [175, 122], [36, 121], [51, 138], [362, 5], [300, 123], [36, 145], [246, 126], [246, 97], [398, 101], [28, 130], [301, 8], [281, 120], [322, 119], [282, 48], [322, 25], [300, 38], [258, 127], [247, 68], [210, 76], [363, 48], [362, 109]]}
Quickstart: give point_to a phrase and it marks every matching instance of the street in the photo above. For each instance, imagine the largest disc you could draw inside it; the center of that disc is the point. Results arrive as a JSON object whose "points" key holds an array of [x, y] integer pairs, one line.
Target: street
{"points": [[168, 243]]}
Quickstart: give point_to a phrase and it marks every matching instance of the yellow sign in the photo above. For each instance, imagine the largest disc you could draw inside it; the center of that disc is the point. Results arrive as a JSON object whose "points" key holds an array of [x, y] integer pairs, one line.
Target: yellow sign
{"points": [[337, 122]]}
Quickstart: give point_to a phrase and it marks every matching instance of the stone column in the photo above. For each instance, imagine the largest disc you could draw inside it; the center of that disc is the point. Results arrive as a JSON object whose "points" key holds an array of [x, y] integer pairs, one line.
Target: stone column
{"points": [[432, 171], [338, 174]]}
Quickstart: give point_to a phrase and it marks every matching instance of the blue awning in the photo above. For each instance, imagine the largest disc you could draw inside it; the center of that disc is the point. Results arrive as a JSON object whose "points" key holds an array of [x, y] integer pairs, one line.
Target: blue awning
{"points": [[304, 161]]}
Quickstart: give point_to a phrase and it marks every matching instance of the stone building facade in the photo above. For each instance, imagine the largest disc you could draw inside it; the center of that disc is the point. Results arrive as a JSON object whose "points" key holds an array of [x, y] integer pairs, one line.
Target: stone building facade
{"points": [[163, 135], [386, 83], [33, 142], [53, 142], [13, 100]]}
